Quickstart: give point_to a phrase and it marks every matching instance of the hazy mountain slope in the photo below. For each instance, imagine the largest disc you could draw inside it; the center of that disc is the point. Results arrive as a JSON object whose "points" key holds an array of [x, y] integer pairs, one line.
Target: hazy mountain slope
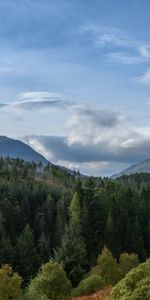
{"points": [[142, 167], [17, 149]]}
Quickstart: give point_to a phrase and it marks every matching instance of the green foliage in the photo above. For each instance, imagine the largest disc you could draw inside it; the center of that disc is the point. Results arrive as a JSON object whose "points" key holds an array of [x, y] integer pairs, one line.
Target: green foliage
{"points": [[128, 262], [6, 251], [135, 286], [28, 261], [107, 268], [97, 212], [10, 283], [111, 234], [51, 283], [29, 296], [88, 285], [75, 209], [72, 254]]}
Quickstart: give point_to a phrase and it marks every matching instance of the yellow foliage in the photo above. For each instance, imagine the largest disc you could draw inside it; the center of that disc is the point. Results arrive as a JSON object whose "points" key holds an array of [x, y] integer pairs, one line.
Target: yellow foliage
{"points": [[10, 283]]}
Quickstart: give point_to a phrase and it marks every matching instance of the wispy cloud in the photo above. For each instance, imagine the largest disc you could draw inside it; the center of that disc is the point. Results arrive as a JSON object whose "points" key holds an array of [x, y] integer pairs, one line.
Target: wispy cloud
{"points": [[125, 58], [144, 78], [144, 50], [38, 100], [103, 36], [133, 51]]}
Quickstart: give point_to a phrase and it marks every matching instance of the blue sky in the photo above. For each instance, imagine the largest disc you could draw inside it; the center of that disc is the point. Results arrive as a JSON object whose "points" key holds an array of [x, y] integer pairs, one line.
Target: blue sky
{"points": [[75, 80]]}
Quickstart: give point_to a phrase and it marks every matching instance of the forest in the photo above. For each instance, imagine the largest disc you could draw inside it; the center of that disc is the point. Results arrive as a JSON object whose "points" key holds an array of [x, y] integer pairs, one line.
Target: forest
{"points": [[83, 234]]}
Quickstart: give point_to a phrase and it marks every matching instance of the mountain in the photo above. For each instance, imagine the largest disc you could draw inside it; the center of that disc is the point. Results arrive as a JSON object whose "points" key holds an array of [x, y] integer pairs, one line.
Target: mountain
{"points": [[142, 167], [17, 149]]}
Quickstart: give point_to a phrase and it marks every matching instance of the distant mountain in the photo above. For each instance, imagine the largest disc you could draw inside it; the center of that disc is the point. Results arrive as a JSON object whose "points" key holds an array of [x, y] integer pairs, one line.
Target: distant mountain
{"points": [[17, 149], [142, 167]]}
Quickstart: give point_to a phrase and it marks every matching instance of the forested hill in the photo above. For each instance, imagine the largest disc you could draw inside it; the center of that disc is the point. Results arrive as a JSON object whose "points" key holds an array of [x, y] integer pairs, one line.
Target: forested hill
{"points": [[38, 212]]}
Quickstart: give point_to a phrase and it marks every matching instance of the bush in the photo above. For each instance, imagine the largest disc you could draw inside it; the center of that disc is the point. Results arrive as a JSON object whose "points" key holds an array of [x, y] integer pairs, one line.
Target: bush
{"points": [[51, 283], [135, 286], [128, 262], [88, 285], [29, 296]]}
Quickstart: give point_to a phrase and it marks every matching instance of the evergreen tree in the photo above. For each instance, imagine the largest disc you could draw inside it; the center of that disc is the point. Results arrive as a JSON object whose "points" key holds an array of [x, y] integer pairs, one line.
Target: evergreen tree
{"points": [[44, 248], [7, 251], [107, 267], [72, 254], [88, 217], [75, 210], [136, 239], [27, 257], [111, 235], [61, 218]]}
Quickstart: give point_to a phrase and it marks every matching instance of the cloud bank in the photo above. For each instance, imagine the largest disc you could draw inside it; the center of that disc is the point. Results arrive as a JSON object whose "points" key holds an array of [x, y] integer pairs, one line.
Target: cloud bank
{"points": [[98, 141]]}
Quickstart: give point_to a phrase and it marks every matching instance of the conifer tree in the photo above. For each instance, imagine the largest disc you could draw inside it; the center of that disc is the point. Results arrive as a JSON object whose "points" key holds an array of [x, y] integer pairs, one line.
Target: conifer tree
{"points": [[27, 257], [6, 251], [107, 267], [72, 253], [111, 235]]}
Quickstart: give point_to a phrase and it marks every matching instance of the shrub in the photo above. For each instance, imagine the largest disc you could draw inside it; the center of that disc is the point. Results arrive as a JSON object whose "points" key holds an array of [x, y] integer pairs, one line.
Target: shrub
{"points": [[135, 286], [128, 262], [51, 282], [88, 285]]}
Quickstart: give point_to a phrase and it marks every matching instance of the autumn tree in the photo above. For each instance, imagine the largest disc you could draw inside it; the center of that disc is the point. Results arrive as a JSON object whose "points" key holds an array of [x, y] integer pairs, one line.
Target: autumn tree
{"points": [[10, 283]]}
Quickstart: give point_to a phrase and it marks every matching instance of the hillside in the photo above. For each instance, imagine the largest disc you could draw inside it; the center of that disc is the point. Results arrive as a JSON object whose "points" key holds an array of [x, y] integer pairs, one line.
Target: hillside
{"points": [[64, 223], [142, 167], [17, 149]]}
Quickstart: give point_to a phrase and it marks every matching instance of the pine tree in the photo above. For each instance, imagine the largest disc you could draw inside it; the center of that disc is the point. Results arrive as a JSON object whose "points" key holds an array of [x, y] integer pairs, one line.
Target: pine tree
{"points": [[27, 257], [44, 248], [111, 236], [61, 218], [75, 210], [107, 267], [6, 251], [136, 239], [72, 253]]}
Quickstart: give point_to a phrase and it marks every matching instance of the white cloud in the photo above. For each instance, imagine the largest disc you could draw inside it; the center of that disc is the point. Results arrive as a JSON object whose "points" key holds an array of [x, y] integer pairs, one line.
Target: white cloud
{"points": [[103, 36], [38, 95], [144, 78], [145, 50], [115, 150], [36, 101], [91, 125], [136, 51], [125, 58]]}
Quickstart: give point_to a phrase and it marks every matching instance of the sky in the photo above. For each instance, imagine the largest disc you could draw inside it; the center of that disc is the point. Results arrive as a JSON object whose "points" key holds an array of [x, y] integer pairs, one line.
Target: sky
{"points": [[75, 80]]}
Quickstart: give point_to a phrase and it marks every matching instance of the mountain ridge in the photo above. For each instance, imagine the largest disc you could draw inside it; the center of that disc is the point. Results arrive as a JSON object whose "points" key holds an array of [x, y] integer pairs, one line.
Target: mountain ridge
{"points": [[141, 167], [15, 148]]}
